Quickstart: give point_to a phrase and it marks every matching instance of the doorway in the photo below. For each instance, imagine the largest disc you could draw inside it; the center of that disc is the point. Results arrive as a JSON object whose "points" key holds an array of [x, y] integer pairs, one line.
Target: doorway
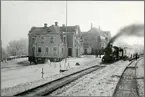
{"points": [[33, 51], [69, 51]]}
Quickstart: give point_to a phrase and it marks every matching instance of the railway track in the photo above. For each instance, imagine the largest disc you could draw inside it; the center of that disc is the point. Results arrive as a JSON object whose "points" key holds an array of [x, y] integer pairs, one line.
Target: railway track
{"points": [[49, 87], [127, 85]]}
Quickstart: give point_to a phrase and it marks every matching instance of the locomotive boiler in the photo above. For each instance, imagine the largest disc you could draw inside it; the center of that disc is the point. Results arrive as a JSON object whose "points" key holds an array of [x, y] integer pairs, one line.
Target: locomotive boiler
{"points": [[112, 54]]}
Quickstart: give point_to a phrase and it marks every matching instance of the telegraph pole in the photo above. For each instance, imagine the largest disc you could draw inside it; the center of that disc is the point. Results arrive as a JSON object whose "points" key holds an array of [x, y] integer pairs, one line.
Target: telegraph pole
{"points": [[66, 15], [66, 26]]}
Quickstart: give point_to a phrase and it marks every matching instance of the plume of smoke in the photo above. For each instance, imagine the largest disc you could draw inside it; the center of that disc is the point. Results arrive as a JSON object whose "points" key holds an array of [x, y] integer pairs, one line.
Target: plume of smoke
{"points": [[133, 30]]}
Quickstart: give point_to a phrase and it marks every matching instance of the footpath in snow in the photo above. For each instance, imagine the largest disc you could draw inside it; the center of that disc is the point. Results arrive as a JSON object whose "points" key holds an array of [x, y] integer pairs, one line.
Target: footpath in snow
{"points": [[30, 73]]}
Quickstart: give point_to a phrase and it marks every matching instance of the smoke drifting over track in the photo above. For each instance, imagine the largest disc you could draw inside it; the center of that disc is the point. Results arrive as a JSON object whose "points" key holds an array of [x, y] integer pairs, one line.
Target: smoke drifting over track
{"points": [[131, 30]]}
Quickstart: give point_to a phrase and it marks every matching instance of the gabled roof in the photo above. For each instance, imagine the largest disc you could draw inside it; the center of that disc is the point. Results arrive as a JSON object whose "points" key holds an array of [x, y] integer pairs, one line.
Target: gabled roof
{"points": [[70, 28], [45, 30], [96, 32], [107, 33]]}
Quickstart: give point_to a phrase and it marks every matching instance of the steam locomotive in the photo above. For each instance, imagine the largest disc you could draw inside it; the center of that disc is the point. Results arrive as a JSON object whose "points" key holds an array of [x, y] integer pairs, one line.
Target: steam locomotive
{"points": [[112, 54]]}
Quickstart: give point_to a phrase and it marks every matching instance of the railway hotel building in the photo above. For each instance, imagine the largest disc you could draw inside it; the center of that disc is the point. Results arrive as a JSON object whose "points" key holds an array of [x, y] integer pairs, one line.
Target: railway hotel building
{"points": [[54, 42]]}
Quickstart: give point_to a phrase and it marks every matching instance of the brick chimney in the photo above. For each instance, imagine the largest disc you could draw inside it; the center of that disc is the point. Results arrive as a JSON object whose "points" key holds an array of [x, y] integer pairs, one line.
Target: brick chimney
{"points": [[56, 23], [45, 25]]}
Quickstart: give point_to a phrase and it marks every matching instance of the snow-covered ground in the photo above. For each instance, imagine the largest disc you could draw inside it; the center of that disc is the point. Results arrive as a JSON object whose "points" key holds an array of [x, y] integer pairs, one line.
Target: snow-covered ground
{"points": [[140, 76], [11, 75], [99, 83], [13, 64]]}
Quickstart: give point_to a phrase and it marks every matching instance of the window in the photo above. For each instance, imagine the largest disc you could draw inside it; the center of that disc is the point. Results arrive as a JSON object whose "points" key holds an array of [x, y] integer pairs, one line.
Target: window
{"points": [[76, 43], [64, 40], [62, 50], [46, 49], [39, 49], [52, 39], [42, 40], [54, 49], [33, 39]]}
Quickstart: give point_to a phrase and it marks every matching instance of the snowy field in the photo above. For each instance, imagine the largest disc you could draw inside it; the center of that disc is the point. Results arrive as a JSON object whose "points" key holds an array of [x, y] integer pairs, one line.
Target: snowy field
{"points": [[19, 71], [13, 64]]}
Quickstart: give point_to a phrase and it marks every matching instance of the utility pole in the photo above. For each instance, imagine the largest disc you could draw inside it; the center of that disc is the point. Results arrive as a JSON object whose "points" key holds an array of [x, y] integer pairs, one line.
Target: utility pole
{"points": [[66, 15], [66, 26]]}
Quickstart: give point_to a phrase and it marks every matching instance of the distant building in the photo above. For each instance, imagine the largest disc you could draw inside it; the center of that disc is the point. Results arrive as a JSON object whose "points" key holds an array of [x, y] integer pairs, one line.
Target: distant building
{"points": [[95, 40], [53, 42], [74, 44]]}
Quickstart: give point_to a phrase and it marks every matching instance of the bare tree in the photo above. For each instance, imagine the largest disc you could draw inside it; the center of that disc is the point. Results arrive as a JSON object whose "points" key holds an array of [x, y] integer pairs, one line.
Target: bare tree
{"points": [[4, 54], [18, 47]]}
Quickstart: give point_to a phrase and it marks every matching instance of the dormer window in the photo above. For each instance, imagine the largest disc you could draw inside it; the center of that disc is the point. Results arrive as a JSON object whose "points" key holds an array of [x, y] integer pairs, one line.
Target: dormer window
{"points": [[48, 30]]}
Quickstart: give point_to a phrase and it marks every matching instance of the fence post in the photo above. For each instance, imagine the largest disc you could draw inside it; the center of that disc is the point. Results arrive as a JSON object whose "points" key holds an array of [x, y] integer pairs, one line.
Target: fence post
{"points": [[55, 65], [59, 66], [68, 66], [42, 72]]}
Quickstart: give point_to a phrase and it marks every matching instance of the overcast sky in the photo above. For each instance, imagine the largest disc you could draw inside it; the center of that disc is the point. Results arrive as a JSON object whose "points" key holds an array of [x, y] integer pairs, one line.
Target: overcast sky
{"points": [[17, 17]]}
